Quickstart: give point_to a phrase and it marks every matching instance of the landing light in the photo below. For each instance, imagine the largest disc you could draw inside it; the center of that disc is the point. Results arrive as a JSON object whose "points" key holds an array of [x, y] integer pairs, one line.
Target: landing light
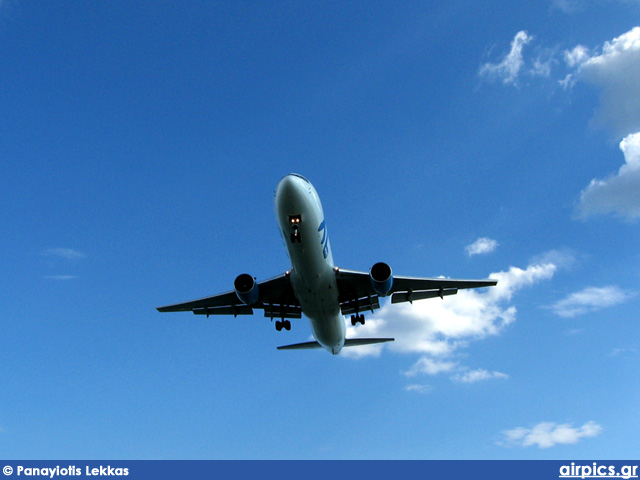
{"points": [[295, 219]]}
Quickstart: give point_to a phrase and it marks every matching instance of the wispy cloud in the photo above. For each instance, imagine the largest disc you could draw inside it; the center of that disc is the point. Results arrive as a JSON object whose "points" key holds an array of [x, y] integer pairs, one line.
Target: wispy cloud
{"points": [[62, 258], [417, 388], [568, 6], [590, 299], [459, 373], [473, 376], [617, 352], [65, 253], [549, 434], [481, 246], [430, 366], [60, 277], [509, 67]]}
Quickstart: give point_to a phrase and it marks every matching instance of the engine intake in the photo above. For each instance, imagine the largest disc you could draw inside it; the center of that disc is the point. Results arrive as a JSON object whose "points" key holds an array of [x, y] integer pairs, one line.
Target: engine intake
{"points": [[381, 278], [246, 288]]}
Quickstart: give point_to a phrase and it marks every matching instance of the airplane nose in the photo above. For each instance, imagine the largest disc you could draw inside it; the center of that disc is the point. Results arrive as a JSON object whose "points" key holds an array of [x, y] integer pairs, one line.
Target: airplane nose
{"points": [[285, 186], [289, 187]]}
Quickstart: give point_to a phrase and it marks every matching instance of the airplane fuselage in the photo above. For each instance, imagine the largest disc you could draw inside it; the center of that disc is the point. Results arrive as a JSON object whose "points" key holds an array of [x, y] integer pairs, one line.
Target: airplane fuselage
{"points": [[302, 224]]}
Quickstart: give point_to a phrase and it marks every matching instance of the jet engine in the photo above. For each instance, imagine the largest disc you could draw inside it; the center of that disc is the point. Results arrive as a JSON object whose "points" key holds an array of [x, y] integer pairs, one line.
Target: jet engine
{"points": [[246, 288], [381, 278]]}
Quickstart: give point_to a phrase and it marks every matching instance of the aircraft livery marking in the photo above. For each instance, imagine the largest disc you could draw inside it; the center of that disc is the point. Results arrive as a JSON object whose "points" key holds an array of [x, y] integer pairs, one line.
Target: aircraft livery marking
{"points": [[325, 239]]}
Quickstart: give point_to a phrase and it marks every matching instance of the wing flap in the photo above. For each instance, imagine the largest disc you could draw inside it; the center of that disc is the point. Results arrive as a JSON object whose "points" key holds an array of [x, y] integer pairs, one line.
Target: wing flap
{"points": [[282, 311], [360, 305], [234, 310], [412, 296]]}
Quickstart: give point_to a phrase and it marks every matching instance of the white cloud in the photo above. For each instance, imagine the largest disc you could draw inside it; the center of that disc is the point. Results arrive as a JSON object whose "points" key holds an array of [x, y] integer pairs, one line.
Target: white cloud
{"points": [[65, 253], [436, 329], [589, 300], [481, 246], [549, 434], [60, 277], [619, 193], [509, 68], [616, 71], [472, 376]]}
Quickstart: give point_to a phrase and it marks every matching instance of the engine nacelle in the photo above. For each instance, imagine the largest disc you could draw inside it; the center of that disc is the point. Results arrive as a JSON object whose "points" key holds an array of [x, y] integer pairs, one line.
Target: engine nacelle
{"points": [[381, 278], [246, 288]]}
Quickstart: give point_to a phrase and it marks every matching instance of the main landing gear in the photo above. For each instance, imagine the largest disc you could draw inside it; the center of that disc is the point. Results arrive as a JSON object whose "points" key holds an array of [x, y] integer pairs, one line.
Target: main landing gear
{"points": [[355, 319], [280, 324]]}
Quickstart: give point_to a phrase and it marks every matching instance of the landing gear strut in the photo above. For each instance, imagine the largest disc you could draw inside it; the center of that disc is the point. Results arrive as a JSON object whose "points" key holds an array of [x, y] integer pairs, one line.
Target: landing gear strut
{"points": [[295, 236], [280, 324], [355, 319]]}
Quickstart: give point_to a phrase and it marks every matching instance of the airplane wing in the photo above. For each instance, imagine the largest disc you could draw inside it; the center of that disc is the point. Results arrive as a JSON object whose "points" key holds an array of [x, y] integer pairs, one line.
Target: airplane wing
{"points": [[275, 297], [357, 293]]}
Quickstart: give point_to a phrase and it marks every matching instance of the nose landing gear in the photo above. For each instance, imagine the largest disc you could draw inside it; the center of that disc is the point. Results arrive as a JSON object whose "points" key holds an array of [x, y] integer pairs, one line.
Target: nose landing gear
{"points": [[294, 221], [295, 236]]}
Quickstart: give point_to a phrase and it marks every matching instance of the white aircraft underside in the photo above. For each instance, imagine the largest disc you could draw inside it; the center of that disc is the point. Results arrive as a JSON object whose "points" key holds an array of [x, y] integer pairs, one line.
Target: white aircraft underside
{"points": [[314, 285]]}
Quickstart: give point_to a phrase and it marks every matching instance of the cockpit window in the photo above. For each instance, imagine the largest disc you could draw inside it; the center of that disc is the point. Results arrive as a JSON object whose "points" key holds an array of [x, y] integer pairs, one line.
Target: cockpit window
{"points": [[300, 176]]}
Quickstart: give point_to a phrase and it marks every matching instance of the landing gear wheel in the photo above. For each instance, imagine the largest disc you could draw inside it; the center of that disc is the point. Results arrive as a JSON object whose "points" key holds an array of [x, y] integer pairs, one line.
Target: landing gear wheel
{"points": [[280, 324], [355, 319]]}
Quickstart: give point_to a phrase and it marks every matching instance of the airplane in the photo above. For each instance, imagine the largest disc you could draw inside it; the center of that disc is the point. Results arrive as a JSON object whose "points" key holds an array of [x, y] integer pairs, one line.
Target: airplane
{"points": [[314, 286]]}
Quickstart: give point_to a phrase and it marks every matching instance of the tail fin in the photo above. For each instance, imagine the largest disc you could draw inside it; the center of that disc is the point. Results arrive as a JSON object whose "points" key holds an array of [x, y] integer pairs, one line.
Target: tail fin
{"points": [[350, 342]]}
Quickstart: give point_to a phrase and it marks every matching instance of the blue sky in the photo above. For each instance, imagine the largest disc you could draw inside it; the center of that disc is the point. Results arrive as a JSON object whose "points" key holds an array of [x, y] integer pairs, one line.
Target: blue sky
{"points": [[141, 143]]}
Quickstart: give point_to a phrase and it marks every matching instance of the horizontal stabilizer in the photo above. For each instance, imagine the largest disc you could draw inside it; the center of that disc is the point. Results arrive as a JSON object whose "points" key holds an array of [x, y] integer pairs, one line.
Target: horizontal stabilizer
{"points": [[350, 342], [301, 346], [354, 342]]}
